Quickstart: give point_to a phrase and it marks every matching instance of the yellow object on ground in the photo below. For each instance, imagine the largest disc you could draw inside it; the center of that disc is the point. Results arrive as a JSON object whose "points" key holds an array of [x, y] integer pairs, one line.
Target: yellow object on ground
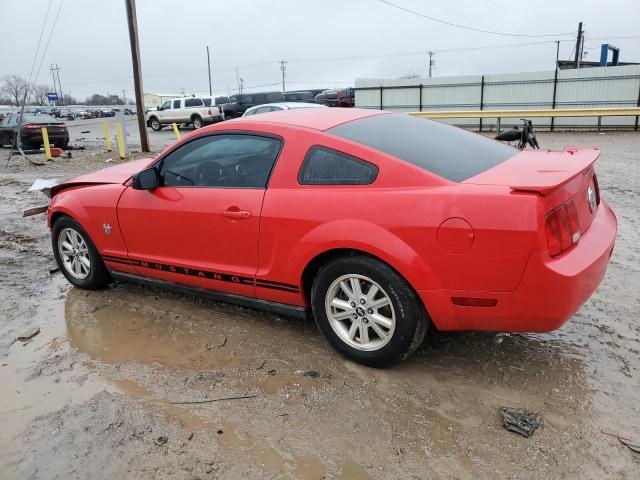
{"points": [[176, 131], [120, 139], [107, 137], [45, 140]]}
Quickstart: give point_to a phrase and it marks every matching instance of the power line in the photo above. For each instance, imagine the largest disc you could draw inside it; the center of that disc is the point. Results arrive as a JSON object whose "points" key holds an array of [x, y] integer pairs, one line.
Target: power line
{"points": [[35, 57], [44, 52], [451, 24]]}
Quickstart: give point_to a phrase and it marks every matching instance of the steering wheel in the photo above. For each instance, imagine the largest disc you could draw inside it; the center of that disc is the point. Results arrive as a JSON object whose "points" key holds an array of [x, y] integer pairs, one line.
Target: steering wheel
{"points": [[209, 174]]}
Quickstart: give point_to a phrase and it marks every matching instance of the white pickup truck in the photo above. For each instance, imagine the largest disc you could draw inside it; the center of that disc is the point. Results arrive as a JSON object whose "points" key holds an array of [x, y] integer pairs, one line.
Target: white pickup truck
{"points": [[188, 110]]}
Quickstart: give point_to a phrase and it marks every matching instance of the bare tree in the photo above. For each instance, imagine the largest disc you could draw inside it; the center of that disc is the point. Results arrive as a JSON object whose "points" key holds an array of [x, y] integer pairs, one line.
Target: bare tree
{"points": [[39, 94], [15, 87]]}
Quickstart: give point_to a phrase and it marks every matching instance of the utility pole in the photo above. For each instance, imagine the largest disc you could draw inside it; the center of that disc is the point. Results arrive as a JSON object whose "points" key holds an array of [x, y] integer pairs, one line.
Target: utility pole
{"points": [[431, 63], [124, 97], [55, 74], [209, 67], [239, 80], [557, 53], [59, 84], [283, 69], [130, 6], [576, 61], [55, 89]]}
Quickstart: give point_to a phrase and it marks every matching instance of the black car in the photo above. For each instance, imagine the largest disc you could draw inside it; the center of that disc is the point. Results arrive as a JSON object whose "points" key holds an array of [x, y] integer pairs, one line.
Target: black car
{"points": [[31, 131], [240, 102], [328, 98]]}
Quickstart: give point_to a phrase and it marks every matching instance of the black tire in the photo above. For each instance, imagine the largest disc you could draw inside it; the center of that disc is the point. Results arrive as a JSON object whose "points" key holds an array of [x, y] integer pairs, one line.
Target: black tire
{"points": [[62, 144], [197, 122], [155, 124], [98, 276], [411, 318]]}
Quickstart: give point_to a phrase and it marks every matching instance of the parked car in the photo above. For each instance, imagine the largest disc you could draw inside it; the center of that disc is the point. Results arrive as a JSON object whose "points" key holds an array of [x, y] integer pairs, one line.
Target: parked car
{"points": [[277, 107], [381, 225], [328, 98], [188, 110], [31, 131], [346, 97], [239, 103]]}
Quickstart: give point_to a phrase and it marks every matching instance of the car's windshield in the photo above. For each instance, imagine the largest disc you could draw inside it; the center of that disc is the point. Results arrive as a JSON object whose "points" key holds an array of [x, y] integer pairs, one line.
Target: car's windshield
{"points": [[447, 151]]}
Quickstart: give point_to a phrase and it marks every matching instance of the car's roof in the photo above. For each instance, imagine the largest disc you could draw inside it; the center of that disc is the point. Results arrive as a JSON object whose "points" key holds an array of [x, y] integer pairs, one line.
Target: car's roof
{"points": [[315, 118]]}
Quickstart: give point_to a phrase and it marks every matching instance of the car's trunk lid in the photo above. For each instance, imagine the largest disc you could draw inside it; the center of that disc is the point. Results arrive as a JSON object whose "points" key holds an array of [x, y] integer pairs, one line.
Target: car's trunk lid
{"points": [[559, 175]]}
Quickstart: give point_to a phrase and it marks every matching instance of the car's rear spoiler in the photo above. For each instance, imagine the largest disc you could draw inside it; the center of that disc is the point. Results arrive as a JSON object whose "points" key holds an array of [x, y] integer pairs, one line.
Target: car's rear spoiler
{"points": [[538, 171], [557, 171]]}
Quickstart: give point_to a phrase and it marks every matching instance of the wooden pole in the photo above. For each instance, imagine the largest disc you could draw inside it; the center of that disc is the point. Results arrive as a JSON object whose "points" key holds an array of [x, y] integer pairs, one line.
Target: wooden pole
{"points": [[130, 6]]}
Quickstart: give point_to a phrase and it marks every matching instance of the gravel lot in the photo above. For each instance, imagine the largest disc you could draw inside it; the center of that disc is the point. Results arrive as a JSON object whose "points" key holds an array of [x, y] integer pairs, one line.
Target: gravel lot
{"points": [[101, 391]]}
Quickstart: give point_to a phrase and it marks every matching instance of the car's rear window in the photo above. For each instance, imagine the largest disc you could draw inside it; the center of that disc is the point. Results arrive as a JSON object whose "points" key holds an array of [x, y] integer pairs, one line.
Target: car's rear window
{"points": [[450, 152]]}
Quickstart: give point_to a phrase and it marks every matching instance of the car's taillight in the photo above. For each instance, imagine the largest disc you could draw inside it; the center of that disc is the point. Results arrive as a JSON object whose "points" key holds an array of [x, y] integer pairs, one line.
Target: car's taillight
{"points": [[562, 227], [30, 126], [210, 112]]}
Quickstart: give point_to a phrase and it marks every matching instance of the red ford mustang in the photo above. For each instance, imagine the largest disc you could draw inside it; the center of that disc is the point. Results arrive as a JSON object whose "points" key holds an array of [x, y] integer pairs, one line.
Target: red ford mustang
{"points": [[380, 224]]}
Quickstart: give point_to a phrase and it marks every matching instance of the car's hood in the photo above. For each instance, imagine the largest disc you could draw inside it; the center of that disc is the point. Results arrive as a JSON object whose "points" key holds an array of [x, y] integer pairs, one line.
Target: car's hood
{"points": [[116, 174]]}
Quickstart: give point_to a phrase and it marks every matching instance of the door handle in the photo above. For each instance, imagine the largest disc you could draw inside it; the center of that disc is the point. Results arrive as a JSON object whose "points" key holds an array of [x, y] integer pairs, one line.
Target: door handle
{"points": [[236, 213]]}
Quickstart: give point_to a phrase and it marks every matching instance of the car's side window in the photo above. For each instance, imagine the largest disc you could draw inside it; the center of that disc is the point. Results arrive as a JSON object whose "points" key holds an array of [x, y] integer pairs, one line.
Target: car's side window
{"points": [[176, 104], [325, 166], [232, 161], [166, 105], [193, 102]]}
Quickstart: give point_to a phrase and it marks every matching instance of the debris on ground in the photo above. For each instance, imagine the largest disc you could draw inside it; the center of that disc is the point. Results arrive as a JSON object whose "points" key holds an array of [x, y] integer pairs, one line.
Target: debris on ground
{"points": [[311, 374], [54, 270], [198, 402], [521, 422], [632, 442], [162, 439], [85, 131], [271, 372], [29, 334], [42, 183]]}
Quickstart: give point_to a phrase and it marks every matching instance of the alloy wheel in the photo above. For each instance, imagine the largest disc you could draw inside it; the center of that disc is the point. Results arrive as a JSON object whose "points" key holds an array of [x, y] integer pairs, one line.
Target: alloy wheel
{"points": [[360, 312], [74, 253]]}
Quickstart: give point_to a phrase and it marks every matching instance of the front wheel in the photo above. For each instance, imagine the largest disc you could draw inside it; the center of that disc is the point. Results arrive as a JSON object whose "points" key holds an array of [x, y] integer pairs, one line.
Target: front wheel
{"points": [[77, 256], [367, 311], [197, 122]]}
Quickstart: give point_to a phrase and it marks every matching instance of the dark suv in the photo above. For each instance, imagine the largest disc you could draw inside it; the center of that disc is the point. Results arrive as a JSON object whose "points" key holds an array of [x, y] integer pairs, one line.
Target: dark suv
{"points": [[240, 102]]}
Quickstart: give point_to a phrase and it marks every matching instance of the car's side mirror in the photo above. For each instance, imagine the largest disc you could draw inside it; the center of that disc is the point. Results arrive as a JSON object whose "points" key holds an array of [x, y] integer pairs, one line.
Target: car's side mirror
{"points": [[147, 179]]}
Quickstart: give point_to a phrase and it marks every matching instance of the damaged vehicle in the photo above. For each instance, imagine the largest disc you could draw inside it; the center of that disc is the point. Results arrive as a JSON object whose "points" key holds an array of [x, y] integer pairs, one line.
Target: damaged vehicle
{"points": [[380, 225], [31, 131]]}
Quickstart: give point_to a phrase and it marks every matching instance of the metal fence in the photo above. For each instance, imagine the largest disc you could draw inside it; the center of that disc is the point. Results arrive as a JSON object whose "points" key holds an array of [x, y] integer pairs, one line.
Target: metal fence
{"points": [[583, 88]]}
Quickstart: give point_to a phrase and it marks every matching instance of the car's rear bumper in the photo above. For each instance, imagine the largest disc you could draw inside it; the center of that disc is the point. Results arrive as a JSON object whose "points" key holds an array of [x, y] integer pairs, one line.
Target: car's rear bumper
{"points": [[550, 292]]}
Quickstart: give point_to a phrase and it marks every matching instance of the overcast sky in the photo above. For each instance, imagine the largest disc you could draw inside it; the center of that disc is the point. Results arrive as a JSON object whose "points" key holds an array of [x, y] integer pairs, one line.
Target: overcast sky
{"points": [[327, 43]]}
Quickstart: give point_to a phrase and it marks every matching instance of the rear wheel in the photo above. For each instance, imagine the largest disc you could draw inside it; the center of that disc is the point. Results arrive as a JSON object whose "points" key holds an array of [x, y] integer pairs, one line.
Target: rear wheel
{"points": [[77, 256], [367, 311], [155, 124]]}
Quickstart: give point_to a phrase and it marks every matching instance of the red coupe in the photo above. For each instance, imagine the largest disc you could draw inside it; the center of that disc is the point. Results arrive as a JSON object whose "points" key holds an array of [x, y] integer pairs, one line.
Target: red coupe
{"points": [[380, 224]]}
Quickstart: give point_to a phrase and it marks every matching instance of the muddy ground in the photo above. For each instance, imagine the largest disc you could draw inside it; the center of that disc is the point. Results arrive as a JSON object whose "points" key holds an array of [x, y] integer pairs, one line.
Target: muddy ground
{"points": [[123, 383]]}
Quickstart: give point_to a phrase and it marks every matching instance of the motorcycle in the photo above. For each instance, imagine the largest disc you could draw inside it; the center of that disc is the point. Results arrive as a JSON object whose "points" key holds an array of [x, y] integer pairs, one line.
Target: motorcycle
{"points": [[524, 136]]}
